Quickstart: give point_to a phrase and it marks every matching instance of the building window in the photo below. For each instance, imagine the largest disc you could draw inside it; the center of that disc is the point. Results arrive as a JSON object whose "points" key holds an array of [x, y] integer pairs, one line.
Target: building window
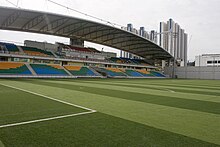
{"points": [[209, 62]]}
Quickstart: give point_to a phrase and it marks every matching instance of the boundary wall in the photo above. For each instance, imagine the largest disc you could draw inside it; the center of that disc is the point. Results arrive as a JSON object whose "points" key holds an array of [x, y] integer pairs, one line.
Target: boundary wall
{"points": [[194, 72]]}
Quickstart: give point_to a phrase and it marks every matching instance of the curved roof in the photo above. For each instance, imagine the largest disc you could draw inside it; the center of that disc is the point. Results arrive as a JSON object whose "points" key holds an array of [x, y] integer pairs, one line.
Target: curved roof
{"points": [[66, 26]]}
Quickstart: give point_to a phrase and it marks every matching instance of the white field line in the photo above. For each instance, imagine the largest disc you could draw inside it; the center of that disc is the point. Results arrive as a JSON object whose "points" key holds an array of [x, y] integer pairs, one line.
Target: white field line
{"points": [[170, 90], [45, 119], [34, 93]]}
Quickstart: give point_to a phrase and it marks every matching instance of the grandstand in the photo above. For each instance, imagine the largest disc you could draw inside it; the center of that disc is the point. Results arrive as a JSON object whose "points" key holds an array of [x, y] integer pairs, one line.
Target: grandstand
{"points": [[29, 66]]}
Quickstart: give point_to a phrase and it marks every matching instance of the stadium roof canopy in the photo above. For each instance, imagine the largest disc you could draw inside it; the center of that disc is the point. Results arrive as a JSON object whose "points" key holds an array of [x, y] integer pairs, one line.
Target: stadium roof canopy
{"points": [[71, 27]]}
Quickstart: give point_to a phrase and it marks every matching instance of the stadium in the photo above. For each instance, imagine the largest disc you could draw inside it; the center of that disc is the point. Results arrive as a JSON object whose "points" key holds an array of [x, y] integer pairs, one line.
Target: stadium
{"points": [[71, 95]]}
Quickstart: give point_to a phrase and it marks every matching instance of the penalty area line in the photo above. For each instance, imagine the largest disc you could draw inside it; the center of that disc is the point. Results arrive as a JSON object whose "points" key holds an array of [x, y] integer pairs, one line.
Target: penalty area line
{"points": [[45, 119], [54, 99]]}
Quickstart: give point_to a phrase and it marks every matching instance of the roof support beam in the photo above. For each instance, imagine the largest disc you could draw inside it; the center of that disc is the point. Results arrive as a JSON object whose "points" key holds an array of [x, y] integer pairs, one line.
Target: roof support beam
{"points": [[82, 28], [142, 47], [113, 37], [54, 25], [94, 32], [33, 22], [68, 28], [105, 35], [11, 19]]}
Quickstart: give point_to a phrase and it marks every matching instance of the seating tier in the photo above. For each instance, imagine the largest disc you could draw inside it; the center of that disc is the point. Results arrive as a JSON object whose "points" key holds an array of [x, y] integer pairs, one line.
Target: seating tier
{"points": [[133, 73], [51, 70], [113, 72], [10, 47], [145, 73], [157, 74], [35, 51], [80, 71], [11, 68]]}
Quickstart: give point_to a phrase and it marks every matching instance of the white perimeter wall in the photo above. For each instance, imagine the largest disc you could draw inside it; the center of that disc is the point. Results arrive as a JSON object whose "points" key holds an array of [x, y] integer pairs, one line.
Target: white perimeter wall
{"points": [[194, 72]]}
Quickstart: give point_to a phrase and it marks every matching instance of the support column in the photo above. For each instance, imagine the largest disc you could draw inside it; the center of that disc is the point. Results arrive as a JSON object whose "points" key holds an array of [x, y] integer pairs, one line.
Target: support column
{"points": [[76, 41]]}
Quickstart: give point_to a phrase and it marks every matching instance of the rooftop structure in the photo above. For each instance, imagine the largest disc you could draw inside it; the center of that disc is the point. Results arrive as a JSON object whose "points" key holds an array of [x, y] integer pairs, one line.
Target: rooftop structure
{"points": [[71, 27]]}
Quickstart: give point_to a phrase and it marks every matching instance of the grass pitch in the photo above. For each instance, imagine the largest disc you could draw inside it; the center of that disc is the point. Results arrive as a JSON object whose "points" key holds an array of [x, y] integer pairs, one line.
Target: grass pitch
{"points": [[130, 112]]}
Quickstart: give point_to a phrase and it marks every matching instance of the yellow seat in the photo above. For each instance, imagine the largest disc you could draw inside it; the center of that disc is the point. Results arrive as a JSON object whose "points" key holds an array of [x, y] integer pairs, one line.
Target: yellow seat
{"points": [[73, 68], [10, 65], [114, 69], [143, 71]]}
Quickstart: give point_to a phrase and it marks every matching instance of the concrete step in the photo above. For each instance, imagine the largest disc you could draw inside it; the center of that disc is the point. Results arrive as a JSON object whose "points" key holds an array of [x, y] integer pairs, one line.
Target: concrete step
{"points": [[31, 69], [93, 70], [54, 54], [20, 49], [66, 71]]}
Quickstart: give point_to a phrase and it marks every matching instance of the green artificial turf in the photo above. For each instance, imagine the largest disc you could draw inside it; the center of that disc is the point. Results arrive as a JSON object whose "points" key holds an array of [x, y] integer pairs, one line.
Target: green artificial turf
{"points": [[94, 130], [1, 144], [205, 106], [18, 106], [132, 112]]}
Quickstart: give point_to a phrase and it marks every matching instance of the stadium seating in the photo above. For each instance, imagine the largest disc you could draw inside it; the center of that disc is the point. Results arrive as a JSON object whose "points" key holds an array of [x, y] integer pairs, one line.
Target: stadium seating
{"points": [[35, 51], [113, 72], [50, 70], [145, 73], [82, 49], [139, 62], [157, 74], [127, 61], [10, 47], [116, 60], [80, 71], [94, 50], [11, 68], [132, 73]]}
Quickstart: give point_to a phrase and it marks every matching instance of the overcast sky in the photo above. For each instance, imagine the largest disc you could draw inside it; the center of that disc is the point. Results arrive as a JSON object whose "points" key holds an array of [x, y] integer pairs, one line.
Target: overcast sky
{"points": [[199, 18]]}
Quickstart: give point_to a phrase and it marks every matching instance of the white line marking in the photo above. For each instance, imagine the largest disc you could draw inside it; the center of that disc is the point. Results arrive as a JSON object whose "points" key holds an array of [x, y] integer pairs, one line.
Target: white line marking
{"points": [[85, 108], [170, 90], [45, 119]]}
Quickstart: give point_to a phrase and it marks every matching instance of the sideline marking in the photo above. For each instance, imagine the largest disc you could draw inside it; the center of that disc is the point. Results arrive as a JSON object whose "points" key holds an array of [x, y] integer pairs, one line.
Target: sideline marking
{"points": [[34, 93], [45, 119]]}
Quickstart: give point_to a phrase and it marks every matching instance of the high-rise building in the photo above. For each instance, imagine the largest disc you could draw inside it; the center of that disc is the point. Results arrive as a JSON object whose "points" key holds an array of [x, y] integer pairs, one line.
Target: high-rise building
{"points": [[174, 40], [152, 35], [130, 28], [143, 33]]}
